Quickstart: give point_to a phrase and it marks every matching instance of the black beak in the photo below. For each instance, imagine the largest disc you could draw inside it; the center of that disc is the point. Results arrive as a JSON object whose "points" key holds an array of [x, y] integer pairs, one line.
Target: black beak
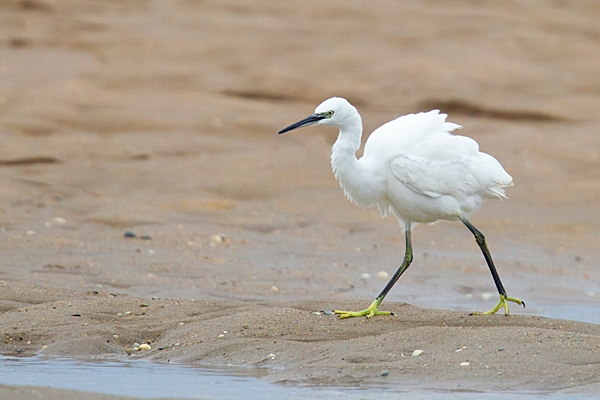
{"points": [[313, 119]]}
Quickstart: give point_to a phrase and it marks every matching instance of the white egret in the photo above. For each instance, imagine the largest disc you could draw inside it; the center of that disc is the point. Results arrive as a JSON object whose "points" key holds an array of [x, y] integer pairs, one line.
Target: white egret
{"points": [[415, 169]]}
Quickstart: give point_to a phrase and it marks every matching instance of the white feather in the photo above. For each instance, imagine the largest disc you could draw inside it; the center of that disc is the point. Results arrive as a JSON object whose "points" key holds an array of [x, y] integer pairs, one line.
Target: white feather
{"points": [[413, 166]]}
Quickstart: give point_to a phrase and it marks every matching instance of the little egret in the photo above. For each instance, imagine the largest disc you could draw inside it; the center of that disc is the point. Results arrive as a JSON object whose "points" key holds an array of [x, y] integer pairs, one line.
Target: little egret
{"points": [[415, 169]]}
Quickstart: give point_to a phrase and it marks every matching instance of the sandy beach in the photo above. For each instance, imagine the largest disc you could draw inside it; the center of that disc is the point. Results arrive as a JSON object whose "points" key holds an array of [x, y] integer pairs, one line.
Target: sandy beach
{"points": [[146, 197]]}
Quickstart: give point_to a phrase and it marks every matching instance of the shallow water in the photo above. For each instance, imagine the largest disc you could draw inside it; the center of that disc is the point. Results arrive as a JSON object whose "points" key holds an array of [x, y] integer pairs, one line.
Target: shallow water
{"points": [[579, 312], [582, 312], [144, 379]]}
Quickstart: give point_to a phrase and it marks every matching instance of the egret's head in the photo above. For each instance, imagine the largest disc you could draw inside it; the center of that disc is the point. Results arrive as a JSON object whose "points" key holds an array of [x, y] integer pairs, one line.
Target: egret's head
{"points": [[334, 111]]}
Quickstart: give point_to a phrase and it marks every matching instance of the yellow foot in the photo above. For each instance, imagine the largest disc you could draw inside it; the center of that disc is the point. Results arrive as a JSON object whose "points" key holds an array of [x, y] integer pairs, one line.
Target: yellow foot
{"points": [[369, 312], [503, 303]]}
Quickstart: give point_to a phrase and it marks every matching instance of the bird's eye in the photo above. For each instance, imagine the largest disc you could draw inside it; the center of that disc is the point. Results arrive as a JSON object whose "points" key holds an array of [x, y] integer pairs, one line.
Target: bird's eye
{"points": [[329, 114]]}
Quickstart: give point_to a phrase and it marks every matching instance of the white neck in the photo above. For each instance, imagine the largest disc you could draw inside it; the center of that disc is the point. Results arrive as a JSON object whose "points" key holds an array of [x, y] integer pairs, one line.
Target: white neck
{"points": [[343, 153], [354, 177]]}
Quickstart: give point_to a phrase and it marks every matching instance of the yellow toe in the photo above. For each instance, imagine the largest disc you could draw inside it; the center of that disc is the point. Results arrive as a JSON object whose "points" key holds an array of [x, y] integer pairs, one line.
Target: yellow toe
{"points": [[502, 303], [369, 312]]}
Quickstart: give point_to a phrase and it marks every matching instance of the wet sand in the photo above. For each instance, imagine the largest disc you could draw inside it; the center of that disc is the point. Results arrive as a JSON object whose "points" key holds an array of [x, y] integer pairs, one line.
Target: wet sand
{"points": [[300, 346], [160, 119]]}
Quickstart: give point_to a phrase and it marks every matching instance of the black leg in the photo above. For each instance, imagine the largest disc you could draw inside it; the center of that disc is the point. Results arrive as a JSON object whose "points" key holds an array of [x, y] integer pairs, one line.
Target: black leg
{"points": [[504, 298], [372, 310], [480, 239], [408, 257]]}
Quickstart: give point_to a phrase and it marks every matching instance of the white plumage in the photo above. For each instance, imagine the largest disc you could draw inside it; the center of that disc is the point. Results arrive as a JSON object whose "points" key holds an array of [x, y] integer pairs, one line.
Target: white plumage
{"points": [[414, 168]]}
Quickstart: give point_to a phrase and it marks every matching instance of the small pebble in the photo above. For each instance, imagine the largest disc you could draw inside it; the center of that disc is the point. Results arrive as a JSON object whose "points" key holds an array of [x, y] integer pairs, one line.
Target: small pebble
{"points": [[59, 221], [464, 364], [274, 288], [365, 276], [217, 239], [381, 275], [328, 312], [271, 356], [144, 347], [487, 295], [385, 373], [129, 234], [417, 353], [30, 233]]}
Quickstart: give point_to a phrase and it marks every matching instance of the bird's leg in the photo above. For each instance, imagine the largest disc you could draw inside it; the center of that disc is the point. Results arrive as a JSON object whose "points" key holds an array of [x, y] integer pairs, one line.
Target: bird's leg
{"points": [[372, 310], [504, 298]]}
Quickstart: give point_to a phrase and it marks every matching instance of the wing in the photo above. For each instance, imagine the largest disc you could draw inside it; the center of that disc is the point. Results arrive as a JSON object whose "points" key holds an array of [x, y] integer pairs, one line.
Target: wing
{"points": [[450, 165], [396, 136], [421, 153], [433, 178]]}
